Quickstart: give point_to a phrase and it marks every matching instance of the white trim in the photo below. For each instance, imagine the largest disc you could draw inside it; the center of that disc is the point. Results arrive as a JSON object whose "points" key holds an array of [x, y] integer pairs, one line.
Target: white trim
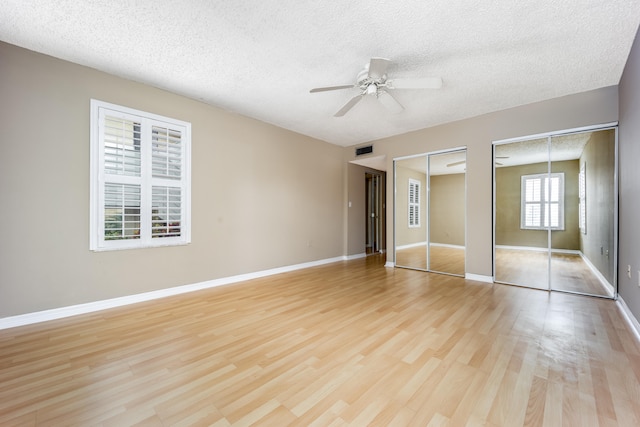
{"points": [[599, 275], [535, 249], [446, 245], [412, 245], [629, 317], [73, 310], [389, 264], [444, 150], [356, 256], [478, 278], [602, 126]]}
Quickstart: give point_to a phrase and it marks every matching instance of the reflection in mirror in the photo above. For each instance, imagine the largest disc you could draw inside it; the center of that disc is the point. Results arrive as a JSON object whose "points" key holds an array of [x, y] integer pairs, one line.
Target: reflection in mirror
{"points": [[582, 254], [430, 195], [555, 209], [521, 236], [446, 216], [410, 212]]}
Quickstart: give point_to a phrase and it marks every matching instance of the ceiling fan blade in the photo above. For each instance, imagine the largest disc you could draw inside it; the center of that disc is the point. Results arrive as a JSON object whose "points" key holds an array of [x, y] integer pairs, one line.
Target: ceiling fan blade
{"points": [[378, 68], [419, 83], [328, 88], [389, 102], [456, 163], [501, 157], [348, 106]]}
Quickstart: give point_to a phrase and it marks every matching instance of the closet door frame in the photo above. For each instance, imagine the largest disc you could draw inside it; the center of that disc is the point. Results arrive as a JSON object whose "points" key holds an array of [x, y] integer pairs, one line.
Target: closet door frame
{"points": [[549, 135]]}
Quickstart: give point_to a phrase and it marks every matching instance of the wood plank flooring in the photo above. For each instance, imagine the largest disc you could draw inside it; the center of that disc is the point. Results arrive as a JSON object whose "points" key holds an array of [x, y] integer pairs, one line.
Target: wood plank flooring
{"points": [[444, 259], [350, 343], [569, 272]]}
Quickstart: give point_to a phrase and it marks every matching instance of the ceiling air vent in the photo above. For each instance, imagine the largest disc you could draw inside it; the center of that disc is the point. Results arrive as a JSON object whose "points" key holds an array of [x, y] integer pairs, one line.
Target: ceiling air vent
{"points": [[364, 150]]}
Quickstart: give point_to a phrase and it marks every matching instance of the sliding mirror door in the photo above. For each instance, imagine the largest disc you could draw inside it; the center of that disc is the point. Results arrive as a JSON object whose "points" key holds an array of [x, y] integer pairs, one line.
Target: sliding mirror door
{"points": [[583, 251], [410, 224], [555, 204], [521, 237], [429, 220], [446, 215]]}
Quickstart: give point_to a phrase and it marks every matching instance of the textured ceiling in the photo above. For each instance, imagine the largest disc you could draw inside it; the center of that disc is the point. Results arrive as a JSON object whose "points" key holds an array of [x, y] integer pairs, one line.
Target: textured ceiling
{"points": [[261, 58]]}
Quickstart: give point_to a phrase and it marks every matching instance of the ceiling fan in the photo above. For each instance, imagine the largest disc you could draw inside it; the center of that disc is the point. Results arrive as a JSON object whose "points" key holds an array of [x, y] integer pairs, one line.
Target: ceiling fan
{"points": [[461, 162], [372, 80]]}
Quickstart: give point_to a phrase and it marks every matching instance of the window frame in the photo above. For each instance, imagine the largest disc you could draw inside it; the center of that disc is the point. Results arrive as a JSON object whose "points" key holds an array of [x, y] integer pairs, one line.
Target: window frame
{"points": [[543, 201], [582, 198], [414, 206], [145, 180]]}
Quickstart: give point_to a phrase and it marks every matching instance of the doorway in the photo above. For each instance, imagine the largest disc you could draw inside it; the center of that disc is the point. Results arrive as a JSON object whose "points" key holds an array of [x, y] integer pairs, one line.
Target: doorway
{"points": [[373, 212], [555, 211], [430, 212]]}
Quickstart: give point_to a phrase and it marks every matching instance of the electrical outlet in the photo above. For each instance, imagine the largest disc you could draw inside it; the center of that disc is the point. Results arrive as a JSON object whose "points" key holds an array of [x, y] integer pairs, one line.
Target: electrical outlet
{"points": [[629, 271]]}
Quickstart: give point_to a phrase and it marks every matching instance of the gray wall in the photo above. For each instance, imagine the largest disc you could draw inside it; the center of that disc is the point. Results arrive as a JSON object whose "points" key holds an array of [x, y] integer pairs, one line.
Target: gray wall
{"points": [[262, 197], [629, 155], [598, 243]]}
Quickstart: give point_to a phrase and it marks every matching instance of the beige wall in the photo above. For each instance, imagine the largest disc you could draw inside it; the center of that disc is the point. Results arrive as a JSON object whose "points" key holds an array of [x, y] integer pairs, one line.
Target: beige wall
{"points": [[446, 209], [477, 134], [508, 193], [262, 197], [406, 235], [598, 243]]}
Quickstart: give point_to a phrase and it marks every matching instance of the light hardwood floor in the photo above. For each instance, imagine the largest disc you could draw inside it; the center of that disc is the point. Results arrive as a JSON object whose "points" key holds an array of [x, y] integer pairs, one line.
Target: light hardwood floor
{"points": [[569, 272], [350, 343], [444, 259]]}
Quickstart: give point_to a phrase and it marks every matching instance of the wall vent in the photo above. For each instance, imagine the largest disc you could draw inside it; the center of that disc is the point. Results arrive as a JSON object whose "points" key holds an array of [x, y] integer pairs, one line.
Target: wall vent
{"points": [[364, 150]]}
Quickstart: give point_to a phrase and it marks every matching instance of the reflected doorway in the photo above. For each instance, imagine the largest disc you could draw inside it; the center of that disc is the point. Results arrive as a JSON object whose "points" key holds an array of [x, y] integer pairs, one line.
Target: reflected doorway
{"points": [[555, 212], [373, 220], [430, 207]]}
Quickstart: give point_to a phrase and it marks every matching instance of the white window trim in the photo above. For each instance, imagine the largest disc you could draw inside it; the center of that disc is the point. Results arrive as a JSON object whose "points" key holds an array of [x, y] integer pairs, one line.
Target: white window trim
{"points": [[97, 181], [523, 202], [582, 199], [415, 205]]}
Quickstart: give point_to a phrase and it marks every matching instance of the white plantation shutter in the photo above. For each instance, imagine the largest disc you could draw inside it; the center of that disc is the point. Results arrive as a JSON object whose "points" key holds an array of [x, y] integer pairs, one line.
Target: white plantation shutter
{"points": [[582, 196], [542, 201], [121, 146], [414, 203], [140, 188], [166, 212], [166, 152]]}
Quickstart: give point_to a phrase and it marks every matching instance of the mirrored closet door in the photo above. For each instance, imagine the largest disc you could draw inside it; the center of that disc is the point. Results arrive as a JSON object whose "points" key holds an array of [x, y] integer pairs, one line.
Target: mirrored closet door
{"points": [[555, 210], [429, 220]]}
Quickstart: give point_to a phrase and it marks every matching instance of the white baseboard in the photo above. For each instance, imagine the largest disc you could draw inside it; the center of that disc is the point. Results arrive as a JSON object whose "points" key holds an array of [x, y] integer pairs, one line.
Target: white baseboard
{"points": [[446, 245], [412, 245], [535, 249], [74, 310], [630, 318], [356, 256], [390, 264], [478, 278], [599, 275]]}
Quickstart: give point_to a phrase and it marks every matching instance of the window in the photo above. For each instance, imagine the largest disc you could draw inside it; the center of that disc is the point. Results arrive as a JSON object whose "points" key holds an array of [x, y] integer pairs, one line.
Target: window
{"points": [[582, 199], [140, 179], [542, 201], [414, 203]]}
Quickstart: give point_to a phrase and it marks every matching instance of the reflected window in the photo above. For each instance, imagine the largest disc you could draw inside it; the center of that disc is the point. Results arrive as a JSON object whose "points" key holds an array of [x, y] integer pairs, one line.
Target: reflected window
{"points": [[542, 201], [582, 197], [414, 203]]}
